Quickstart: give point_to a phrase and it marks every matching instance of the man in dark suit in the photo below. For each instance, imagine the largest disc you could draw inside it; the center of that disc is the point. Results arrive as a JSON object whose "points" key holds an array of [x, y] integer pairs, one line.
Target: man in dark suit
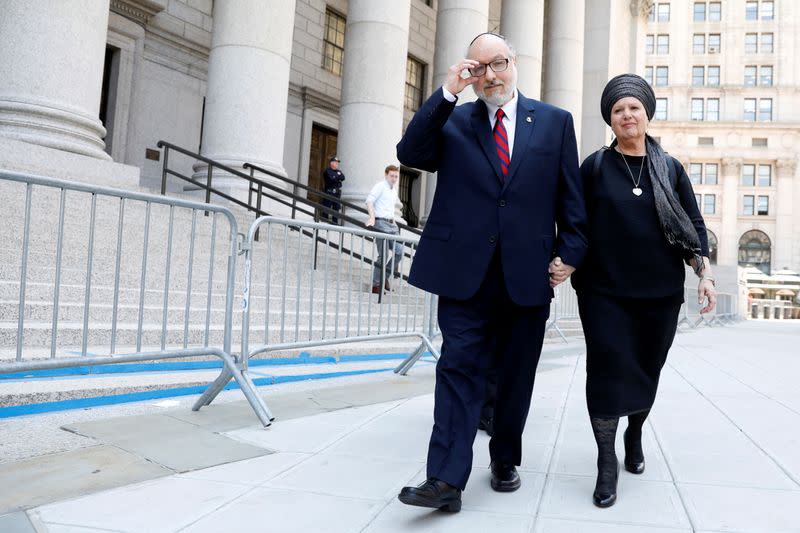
{"points": [[507, 174], [332, 179]]}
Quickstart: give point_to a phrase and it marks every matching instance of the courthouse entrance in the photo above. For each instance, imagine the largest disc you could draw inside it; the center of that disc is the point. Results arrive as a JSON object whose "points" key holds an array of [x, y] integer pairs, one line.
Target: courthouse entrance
{"points": [[323, 147]]}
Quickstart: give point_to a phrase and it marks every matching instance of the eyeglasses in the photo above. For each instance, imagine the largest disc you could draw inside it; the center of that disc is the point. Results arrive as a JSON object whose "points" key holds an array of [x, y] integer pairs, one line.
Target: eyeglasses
{"points": [[498, 65]]}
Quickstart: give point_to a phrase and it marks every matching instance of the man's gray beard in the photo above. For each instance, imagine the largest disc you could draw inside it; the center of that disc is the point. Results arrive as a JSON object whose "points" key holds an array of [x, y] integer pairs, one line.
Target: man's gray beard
{"points": [[497, 98]]}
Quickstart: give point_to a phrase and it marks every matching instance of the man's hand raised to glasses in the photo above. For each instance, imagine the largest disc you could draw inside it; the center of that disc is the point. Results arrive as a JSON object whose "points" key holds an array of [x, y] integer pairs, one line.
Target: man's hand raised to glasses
{"points": [[455, 82]]}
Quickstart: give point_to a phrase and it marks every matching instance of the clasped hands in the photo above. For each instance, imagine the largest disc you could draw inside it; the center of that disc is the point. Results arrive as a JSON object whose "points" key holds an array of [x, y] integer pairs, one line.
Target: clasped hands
{"points": [[559, 271]]}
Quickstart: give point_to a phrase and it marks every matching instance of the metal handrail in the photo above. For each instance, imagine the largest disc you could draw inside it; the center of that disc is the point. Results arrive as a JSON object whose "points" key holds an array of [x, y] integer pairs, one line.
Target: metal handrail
{"points": [[258, 185], [322, 194]]}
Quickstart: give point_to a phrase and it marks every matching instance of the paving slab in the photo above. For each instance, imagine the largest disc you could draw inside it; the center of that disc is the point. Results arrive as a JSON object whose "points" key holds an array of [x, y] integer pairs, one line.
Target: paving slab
{"points": [[17, 522], [55, 477], [167, 441]]}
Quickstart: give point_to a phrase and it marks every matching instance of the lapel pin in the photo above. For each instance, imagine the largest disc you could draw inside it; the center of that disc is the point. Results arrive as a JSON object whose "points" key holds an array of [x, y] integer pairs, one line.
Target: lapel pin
{"points": [[528, 119]]}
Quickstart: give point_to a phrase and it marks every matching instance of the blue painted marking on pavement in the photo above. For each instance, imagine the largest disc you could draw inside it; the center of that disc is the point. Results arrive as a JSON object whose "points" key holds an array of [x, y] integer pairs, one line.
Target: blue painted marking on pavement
{"points": [[97, 401]]}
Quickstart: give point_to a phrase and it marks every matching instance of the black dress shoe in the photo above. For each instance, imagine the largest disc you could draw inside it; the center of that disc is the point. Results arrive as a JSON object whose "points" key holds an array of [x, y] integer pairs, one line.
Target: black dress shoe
{"points": [[634, 456], [487, 425], [433, 493], [504, 477]]}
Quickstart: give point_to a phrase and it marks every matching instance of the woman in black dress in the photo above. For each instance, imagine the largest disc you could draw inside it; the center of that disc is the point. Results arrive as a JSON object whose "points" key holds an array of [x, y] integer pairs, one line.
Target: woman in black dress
{"points": [[643, 224]]}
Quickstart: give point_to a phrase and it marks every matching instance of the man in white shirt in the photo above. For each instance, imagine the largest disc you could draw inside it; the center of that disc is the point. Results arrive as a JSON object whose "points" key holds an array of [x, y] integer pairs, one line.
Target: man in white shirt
{"points": [[380, 204]]}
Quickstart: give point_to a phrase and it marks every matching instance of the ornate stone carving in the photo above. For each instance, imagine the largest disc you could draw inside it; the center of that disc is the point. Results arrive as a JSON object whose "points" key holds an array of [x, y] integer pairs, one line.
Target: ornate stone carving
{"points": [[731, 166], [786, 166], [641, 8], [138, 10]]}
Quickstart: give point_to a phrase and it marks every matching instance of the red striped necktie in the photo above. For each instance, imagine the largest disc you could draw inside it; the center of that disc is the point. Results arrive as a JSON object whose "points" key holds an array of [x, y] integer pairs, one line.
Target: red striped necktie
{"points": [[501, 140]]}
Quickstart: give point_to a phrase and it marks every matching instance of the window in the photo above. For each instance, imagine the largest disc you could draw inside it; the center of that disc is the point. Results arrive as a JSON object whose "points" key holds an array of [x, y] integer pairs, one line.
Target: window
{"points": [[713, 76], [705, 141], [709, 204], [750, 43], [333, 50], [712, 173], [714, 45], [698, 198], [748, 175], [712, 109], [763, 206], [415, 81], [697, 109], [755, 249], [765, 110], [767, 10], [759, 142], [748, 204], [696, 173], [764, 175], [766, 43], [662, 44], [766, 76], [750, 75], [648, 75], [662, 76], [698, 76], [699, 43], [715, 11], [662, 109], [712, 247], [750, 109], [648, 43], [699, 11], [663, 12], [751, 11]]}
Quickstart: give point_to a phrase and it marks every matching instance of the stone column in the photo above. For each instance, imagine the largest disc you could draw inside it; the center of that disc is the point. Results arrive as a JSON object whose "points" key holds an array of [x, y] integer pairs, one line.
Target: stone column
{"points": [[248, 87], [785, 211], [51, 72], [457, 23], [563, 70], [728, 246], [522, 22], [373, 89]]}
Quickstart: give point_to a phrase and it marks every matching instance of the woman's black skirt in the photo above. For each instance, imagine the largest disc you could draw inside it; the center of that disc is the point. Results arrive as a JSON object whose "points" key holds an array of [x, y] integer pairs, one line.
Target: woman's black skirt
{"points": [[627, 341]]}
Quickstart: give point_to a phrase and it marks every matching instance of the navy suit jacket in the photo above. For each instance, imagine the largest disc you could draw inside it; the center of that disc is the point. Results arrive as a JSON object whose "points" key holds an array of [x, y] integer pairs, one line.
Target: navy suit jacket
{"points": [[473, 213]]}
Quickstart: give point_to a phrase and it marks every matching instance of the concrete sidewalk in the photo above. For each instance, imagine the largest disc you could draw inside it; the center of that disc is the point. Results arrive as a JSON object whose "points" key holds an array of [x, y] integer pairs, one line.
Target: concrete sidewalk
{"points": [[722, 449]]}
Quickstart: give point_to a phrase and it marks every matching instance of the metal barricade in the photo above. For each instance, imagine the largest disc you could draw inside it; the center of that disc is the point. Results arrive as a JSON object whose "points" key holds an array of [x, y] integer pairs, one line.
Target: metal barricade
{"points": [[312, 284], [563, 307], [113, 276], [724, 313]]}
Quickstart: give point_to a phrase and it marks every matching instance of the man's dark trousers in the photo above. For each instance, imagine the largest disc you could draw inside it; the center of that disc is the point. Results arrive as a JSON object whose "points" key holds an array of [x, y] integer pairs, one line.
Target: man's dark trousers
{"points": [[468, 326]]}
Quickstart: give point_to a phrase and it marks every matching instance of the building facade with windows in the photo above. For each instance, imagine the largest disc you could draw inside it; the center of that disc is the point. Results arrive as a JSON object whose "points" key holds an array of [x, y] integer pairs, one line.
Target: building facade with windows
{"points": [[726, 77], [87, 90]]}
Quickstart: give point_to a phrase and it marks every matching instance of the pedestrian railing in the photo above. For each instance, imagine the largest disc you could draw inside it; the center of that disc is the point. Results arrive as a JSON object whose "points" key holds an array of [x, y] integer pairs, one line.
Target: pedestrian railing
{"points": [[726, 311], [563, 308], [108, 276], [344, 285]]}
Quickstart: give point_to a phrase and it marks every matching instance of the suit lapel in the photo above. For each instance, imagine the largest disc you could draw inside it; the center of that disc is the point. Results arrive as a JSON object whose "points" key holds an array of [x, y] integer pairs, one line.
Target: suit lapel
{"points": [[480, 125], [522, 134]]}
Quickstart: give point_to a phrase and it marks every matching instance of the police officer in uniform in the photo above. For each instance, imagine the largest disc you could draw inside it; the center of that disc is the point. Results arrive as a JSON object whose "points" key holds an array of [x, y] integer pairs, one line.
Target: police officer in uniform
{"points": [[332, 179]]}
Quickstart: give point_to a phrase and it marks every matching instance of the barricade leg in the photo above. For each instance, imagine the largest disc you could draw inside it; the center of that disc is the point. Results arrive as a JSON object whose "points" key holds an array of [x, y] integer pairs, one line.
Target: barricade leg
{"points": [[214, 389], [409, 362]]}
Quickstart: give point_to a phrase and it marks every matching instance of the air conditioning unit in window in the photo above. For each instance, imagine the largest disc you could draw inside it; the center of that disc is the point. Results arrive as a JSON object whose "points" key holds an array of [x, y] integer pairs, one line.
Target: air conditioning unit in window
{"points": [[713, 49]]}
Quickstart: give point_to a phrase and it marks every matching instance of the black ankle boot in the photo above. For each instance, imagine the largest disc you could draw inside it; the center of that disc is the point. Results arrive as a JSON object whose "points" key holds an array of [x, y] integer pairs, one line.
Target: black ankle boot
{"points": [[605, 490], [634, 456]]}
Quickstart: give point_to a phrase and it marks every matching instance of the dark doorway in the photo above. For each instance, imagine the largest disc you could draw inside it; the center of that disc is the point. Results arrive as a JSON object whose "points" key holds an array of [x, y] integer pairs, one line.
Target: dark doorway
{"points": [[407, 179], [108, 93], [323, 147]]}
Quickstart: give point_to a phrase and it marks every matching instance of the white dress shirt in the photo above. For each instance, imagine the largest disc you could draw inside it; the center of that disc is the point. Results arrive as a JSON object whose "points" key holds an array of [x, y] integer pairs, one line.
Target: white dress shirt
{"points": [[509, 120], [383, 198]]}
